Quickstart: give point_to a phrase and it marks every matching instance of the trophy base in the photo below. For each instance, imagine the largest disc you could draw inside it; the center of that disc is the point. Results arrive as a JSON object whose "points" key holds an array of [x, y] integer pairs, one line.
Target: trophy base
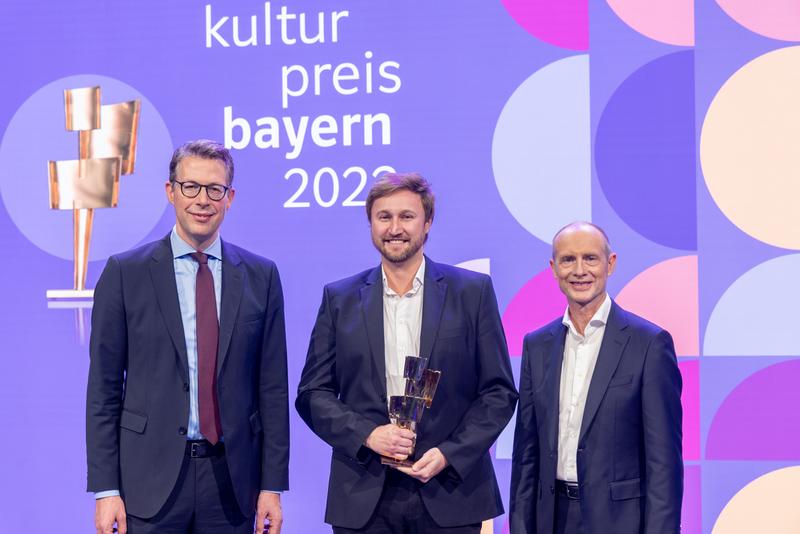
{"points": [[76, 294], [394, 462]]}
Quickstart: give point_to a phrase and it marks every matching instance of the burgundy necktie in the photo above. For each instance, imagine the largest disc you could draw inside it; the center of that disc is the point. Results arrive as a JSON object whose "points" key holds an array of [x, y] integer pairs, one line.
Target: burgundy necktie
{"points": [[207, 343]]}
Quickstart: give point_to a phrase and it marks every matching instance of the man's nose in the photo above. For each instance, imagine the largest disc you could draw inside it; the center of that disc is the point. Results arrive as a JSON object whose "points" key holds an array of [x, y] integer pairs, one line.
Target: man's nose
{"points": [[579, 268], [395, 227], [202, 197]]}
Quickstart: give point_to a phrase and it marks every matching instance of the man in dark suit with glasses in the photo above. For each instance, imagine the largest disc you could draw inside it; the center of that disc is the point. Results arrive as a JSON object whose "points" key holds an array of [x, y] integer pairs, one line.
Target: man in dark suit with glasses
{"points": [[187, 424]]}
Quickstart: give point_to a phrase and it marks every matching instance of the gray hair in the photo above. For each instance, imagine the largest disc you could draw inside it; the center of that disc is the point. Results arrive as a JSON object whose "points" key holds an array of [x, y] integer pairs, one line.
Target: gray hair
{"points": [[578, 224]]}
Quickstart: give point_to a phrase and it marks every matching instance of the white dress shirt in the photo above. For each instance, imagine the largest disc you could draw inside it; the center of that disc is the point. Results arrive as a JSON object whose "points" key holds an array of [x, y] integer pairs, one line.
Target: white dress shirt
{"points": [[580, 357], [402, 327]]}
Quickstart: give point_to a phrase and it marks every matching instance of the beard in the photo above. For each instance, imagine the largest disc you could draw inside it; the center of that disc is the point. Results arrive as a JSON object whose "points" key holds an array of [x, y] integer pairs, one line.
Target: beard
{"points": [[408, 251]]}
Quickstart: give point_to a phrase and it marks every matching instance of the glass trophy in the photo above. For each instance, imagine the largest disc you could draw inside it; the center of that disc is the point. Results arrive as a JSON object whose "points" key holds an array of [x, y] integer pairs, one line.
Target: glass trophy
{"points": [[406, 410]]}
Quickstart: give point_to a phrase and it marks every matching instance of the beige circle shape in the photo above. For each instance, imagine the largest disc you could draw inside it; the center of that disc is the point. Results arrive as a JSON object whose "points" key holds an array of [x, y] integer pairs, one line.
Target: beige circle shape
{"points": [[768, 504], [750, 148]]}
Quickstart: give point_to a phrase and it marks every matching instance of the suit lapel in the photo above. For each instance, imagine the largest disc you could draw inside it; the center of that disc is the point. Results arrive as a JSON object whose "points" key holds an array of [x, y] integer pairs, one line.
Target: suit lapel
{"points": [[162, 273], [433, 295], [552, 372], [614, 340], [232, 288], [372, 309]]}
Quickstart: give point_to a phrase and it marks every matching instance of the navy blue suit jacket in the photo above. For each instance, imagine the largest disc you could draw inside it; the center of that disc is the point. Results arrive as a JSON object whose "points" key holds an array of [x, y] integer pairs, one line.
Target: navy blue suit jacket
{"points": [[137, 404], [630, 465], [342, 393]]}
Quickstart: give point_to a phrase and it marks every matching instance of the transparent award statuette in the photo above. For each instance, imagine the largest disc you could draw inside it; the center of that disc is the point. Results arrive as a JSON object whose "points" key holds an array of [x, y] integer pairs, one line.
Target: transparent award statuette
{"points": [[406, 410]]}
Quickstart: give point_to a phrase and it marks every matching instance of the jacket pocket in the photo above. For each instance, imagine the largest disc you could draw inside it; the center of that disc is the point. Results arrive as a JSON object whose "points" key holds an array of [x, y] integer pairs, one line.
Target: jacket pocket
{"points": [[620, 381], [251, 318], [626, 489], [255, 423], [133, 421]]}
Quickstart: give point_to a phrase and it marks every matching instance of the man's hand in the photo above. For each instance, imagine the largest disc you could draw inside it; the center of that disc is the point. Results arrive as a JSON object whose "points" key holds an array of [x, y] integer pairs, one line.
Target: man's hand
{"points": [[427, 467], [269, 509], [392, 441], [107, 511]]}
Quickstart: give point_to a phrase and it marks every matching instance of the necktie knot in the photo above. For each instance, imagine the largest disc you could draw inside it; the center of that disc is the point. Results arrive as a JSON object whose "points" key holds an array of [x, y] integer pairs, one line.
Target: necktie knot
{"points": [[200, 258]]}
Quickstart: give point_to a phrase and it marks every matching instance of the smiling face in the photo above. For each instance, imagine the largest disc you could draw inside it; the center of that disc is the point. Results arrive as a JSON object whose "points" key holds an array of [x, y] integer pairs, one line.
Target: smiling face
{"points": [[198, 219], [399, 227], [582, 264]]}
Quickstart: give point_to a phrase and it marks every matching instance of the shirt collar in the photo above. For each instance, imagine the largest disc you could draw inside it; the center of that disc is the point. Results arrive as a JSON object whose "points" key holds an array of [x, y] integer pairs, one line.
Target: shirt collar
{"points": [[419, 279], [182, 248], [600, 317]]}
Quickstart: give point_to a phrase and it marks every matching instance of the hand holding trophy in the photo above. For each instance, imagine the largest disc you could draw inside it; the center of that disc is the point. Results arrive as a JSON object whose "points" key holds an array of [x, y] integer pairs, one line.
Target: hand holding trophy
{"points": [[406, 410]]}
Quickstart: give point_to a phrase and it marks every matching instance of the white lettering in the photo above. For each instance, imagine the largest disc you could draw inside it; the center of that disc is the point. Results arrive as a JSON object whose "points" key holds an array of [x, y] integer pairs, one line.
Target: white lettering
{"points": [[324, 125], [286, 92], [269, 137], [335, 16], [296, 136], [230, 124], [252, 40], [386, 75], [284, 17], [339, 76], [370, 120], [212, 31], [347, 130]]}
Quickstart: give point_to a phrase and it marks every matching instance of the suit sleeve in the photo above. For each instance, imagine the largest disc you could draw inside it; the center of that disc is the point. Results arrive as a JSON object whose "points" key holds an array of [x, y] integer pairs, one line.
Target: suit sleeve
{"points": [[662, 421], [318, 392], [525, 459], [494, 403], [274, 392], [108, 360]]}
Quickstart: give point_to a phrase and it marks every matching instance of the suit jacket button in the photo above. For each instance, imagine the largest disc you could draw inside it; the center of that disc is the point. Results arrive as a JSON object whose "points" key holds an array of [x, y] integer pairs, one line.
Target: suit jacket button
{"points": [[185, 387], [182, 431], [552, 489], [383, 399]]}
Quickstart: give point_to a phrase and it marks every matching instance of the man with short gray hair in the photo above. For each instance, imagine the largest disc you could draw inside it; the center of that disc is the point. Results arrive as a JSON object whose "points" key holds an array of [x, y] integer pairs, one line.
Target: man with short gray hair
{"points": [[597, 446]]}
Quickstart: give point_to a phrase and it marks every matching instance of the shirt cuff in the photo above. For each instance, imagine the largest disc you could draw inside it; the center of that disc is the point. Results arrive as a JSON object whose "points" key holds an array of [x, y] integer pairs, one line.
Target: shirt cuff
{"points": [[104, 494], [272, 491]]}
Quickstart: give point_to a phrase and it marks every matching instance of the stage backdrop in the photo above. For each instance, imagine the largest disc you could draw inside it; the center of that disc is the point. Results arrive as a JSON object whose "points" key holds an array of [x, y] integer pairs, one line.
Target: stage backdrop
{"points": [[675, 126]]}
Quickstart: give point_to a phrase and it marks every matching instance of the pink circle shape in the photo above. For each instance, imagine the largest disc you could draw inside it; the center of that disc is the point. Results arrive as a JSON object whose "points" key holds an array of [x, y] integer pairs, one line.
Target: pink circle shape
{"points": [[666, 21], [778, 19], [536, 304], [667, 294], [563, 23]]}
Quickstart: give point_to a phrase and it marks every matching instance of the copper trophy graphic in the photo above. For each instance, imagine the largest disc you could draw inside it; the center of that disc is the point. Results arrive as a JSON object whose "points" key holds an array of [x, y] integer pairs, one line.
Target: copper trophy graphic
{"points": [[107, 136]]}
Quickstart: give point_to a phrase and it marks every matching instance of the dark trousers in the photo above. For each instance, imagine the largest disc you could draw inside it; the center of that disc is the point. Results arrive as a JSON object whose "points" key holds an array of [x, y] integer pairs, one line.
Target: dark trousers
{"points": [[568, 516], [202, 502], [400, 510]]}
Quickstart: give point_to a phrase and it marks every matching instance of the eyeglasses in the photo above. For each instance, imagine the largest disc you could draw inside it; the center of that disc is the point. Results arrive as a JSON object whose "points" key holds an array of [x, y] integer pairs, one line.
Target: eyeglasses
{"points": [[213, 191]]}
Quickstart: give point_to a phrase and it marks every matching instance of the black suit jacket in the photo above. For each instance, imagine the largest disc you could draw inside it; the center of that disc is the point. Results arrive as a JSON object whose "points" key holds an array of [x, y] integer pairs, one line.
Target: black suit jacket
{"points": [[137, 405], [342, 393], [630, 464]]}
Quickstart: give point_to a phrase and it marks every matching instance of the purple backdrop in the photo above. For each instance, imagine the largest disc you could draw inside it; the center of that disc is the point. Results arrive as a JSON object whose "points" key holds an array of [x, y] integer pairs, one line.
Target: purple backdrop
{"points": [[523, 114]]}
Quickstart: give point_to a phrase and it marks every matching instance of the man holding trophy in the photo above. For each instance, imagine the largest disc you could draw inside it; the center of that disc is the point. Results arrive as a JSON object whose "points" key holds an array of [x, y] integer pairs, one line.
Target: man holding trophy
{"points": [[408, 379]]}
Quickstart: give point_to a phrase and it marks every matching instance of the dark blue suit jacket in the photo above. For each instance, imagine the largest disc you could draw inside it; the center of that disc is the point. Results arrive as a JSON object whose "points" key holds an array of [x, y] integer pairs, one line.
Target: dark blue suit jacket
{"points": [[342, 393], [629, 450], [137, 404]]}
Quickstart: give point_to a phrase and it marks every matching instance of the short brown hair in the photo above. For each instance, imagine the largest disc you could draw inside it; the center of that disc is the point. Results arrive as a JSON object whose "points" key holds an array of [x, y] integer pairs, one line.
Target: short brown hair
{"points": [[205, 149], [392, 182]]}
